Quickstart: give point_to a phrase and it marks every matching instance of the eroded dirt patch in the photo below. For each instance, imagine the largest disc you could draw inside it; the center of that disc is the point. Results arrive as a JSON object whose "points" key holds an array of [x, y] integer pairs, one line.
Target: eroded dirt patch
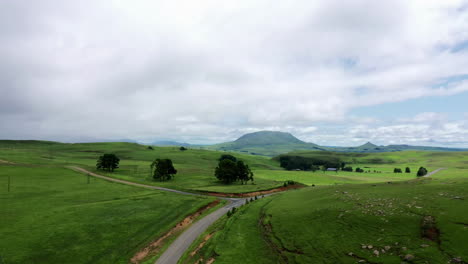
{"points": [[205, 239], [429, 229], [154, 247], [252, 194]]}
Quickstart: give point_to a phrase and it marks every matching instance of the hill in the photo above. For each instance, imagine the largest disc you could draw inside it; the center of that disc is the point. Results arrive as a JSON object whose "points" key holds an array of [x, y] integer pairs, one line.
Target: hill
{"points": [[272, 143], [266, 143]]}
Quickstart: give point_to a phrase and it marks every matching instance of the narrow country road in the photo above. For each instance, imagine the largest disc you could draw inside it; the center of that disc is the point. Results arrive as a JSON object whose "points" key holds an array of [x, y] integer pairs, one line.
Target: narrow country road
{"points": [[183, 242], [433, 172]]}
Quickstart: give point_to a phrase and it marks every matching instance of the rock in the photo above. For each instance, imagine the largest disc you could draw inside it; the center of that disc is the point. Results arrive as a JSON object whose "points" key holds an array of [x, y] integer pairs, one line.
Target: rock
{"points": [[457, 260], [369, 246], [409, 257], [404, 248], [363, 246], [376, 252], [387, 248], [424, 245]]}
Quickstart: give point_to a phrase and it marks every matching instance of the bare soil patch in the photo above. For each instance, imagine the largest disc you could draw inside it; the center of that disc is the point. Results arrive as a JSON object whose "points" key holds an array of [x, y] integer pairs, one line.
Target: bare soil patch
{"points": [[154, 247], [252, 194]]}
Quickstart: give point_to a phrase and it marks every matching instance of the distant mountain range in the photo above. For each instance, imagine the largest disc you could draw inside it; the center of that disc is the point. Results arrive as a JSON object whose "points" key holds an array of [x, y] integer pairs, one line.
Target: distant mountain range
{"points": [[170, 143], [272, 143]]}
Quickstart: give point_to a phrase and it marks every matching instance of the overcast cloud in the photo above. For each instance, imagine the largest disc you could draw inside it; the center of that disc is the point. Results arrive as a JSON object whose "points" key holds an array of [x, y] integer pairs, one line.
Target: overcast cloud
{"points": [[209, 71]]}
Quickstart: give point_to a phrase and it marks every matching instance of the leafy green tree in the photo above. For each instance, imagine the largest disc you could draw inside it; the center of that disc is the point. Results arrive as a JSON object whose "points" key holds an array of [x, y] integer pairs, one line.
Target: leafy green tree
{"points": [[182, 148], [163, 169], [229, 171], [108, 162], [407, 170], [244, 174], [227, 156], [421, 172], [397, 170], [226, 171]]}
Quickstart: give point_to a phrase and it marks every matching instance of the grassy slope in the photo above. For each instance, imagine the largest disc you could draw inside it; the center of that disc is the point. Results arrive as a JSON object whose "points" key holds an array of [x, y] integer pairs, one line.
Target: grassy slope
{"points": [[195, 167], [325, 224], [51, 210]]}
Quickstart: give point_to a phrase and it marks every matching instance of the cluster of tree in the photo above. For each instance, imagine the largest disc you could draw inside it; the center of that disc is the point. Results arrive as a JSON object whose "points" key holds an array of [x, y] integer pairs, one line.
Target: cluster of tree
{"points": [[359, 169], [397, 170], [182, 148], [407, 170], [230, 170], [162, 169], [308, 163], [348, 168], [108, 162], [421, 172]]}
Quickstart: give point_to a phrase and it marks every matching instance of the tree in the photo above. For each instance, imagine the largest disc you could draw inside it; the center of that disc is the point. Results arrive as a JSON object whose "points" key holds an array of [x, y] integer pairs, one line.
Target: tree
{"points": [[183, 148], [244, 173], [108, 162], [407, 170], [163, 169], [226, 171], [397, 170], [359, 169], [227, 156], [229, 171], [421, 172], [150, 148], [348, 168]]}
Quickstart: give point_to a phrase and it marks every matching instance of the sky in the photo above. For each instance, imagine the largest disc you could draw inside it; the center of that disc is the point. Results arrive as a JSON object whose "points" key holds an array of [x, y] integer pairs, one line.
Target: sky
{"points": [[330, 72]]}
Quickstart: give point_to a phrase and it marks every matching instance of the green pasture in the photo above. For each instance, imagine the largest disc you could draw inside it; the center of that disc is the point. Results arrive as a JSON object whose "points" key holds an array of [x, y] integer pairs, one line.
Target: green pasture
{"points": [[347, 224], [53, 215]]}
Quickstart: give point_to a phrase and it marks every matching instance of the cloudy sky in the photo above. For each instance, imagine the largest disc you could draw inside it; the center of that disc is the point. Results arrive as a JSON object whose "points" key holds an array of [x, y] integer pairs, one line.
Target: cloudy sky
{"points": [[207, 71]]}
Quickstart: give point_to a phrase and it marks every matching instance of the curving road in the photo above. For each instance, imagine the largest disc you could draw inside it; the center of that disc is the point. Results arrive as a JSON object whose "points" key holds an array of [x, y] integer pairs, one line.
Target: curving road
{"points": [[183, 242], [433, 172]]}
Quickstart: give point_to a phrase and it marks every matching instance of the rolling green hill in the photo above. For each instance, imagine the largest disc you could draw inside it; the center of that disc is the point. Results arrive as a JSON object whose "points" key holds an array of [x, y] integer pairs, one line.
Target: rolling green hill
{"points": [[272, 143], [266, 143]]}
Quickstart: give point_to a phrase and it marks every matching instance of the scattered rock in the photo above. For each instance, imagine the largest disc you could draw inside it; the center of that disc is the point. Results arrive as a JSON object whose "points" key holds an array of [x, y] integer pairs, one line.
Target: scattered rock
{"points": [[363, 246], [369, 246], [387, 248], [404, 248], [409, 257], [456, 260], [350, 253], [424, 245], [376, 252]]}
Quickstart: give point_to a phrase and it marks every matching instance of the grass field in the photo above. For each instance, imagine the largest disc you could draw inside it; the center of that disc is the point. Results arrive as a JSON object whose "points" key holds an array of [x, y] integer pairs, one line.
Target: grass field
{"points": [[51, 209], [195, 167], [333, 224], [52, 215]]}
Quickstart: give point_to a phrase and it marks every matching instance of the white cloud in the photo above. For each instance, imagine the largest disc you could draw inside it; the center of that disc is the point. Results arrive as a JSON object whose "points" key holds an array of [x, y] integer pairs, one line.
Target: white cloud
{"points": [[207, 70]]}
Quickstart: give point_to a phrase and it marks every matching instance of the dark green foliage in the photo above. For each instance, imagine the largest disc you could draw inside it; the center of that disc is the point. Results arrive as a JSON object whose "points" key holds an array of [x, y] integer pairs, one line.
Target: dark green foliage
{"points": [[226, 171], [397, 170], [348, 168], [163, 169], [421, 172], [108, 162], [359, 169], [150, 148], [244, 173], [229, 157], [308, 163], [407, 170], [182, 148], [229, 170]]}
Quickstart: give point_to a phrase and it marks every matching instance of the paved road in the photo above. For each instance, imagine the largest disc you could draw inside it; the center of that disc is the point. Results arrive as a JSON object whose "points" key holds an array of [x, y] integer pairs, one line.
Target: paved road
{"points": [[433, 172], [183, 242]]}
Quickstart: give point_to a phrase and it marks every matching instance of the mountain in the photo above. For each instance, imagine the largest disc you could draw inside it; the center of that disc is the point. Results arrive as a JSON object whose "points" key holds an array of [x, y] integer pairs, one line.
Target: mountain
{"points": [[272, 143], [267, 143], [169, 143]]}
